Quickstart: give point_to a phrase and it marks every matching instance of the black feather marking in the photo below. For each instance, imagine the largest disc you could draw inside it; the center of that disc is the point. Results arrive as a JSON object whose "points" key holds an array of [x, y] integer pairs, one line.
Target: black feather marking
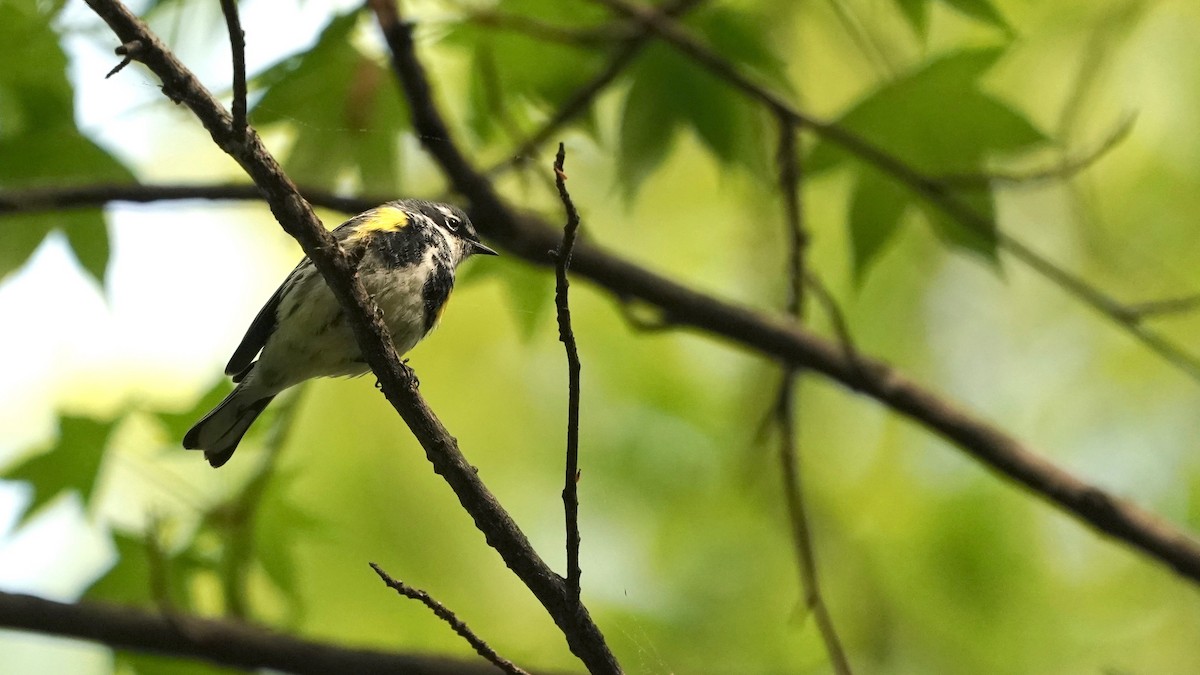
{"points": [[436, 292], [218, 456], [260, 329], [405, 247]]}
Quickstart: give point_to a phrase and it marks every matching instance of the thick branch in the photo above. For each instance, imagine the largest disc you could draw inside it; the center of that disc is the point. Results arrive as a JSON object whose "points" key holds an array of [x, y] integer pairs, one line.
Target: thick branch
{"points": [[397, 384], [225, 643]]}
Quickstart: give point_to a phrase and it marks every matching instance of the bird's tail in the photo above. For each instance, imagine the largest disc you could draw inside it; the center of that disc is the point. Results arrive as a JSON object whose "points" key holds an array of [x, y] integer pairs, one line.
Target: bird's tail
{"points": [[219, 432]]}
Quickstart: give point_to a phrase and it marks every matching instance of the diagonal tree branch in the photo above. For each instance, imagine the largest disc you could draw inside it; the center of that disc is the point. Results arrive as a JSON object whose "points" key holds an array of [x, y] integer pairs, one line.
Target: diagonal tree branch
{"points": [[396, 381], [683, 306], [226, 643]]}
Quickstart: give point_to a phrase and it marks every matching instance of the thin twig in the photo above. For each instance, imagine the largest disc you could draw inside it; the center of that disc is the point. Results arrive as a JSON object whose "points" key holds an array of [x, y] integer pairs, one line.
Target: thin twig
{"points": [[580, 99], [1064, 170], [841, 327], [927, 187], [790, 189], [237, 43], [371, 333], [482, 648], [562, 262]]}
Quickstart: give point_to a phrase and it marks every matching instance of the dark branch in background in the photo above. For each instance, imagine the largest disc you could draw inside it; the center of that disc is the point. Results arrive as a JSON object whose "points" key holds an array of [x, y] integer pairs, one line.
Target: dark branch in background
{"points": [[582, 98], [396, 382], [450, 618], [683, 306], [785, 406], [931, 189], [237, 43], [226, 643], [562, 262]]}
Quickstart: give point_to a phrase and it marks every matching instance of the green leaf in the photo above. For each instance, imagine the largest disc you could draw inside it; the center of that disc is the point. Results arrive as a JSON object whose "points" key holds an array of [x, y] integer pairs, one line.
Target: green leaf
{"points": [[90, 245], [916, 12], [910, 119], [344, 108], [960, 235], [980, 10], [275, 546], [514, 75], [153, 664], [19, 238], [877, 208], [131, 579], [670, 92], [38, 124], [72, 464], [739, 37]]}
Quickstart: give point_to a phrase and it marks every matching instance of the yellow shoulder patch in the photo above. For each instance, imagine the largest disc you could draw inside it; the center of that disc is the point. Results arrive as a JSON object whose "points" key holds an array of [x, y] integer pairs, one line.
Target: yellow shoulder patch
{"points": [[382, 219]]}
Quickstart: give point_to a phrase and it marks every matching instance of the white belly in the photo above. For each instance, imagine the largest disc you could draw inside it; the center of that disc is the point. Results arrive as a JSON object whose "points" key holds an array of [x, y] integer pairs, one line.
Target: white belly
{"points": [[312, 338]]}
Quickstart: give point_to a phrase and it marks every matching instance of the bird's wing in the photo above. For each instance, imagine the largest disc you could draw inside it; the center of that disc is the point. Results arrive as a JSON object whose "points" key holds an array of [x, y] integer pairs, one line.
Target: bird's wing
{"points": [[264, 324], [260, 329]]}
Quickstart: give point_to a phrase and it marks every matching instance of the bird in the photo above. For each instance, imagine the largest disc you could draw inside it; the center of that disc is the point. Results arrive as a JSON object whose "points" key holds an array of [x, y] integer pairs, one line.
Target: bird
{"points": [[407, 252]]}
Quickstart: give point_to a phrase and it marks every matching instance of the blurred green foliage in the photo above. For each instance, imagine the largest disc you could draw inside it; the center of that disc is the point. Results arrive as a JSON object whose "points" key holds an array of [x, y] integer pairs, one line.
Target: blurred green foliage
{"points": [[929, 563]]}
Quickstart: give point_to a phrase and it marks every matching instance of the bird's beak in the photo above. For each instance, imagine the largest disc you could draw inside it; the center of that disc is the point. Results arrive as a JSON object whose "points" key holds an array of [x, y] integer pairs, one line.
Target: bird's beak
{"points": [[477, 247]]}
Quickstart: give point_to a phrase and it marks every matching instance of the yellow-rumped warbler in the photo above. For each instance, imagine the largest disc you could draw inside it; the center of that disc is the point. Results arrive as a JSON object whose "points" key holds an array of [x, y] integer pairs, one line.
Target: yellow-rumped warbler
{"points": [[407, 252]]}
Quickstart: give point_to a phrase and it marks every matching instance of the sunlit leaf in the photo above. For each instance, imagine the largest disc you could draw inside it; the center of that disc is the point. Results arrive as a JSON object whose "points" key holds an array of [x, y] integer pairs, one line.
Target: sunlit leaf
{"points": [[980, 10], [291, 522], [132, 579], [344, 108], [909, 119], [152, 664], [72, 464]]}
